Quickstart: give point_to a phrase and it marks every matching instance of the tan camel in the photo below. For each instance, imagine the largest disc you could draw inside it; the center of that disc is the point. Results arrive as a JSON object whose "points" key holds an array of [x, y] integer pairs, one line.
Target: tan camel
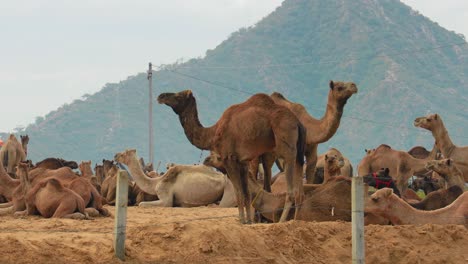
{"points": [[12, 152], [459, 155], [401, 164], [244, 132], [438, 199], [320, 130], [449, 171], [11, 190], [346, 169], [99, 172], [87, 172], [181, 185], [49, 198], [385, 203]]}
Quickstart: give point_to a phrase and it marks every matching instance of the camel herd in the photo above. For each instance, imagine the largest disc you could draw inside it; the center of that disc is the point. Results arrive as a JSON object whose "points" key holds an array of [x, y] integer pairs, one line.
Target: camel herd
{"points": [[244, 144]]}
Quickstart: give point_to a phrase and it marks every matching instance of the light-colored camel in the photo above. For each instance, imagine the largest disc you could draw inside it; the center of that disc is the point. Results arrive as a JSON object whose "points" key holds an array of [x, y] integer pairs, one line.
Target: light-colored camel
{"points": [[346, 169], [438, 199], [320, 130], [49, 198], [401, 164], [244, 132], [87, 173], [385, 203], [448, 170], [10, 188], [459, 155], [181, 185], [12, 152]]}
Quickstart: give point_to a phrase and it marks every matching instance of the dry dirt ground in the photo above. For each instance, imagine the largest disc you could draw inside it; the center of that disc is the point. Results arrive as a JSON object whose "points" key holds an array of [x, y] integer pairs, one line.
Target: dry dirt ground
{"points": [[213, 235]]}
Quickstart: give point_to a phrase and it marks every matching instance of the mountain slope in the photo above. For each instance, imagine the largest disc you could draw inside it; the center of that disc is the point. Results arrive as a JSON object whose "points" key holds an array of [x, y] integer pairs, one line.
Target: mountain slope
{"points": [[403, 64]]}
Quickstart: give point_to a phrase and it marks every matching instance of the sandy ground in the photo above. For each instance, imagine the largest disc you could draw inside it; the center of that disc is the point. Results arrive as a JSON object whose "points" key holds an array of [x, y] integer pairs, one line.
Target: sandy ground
{"points": [[213, 235]]}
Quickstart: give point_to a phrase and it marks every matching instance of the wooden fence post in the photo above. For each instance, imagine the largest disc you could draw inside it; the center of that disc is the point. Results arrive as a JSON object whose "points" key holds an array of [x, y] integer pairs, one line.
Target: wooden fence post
{"points": [[357, 216], [121, 214]]}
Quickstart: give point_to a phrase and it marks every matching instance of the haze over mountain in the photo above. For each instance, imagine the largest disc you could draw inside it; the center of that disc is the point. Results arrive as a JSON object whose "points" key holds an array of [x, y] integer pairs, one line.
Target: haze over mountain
{"points": [[404, 65]]}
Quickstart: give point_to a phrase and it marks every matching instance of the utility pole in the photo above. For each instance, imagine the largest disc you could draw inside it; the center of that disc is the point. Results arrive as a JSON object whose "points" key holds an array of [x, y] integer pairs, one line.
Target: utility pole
{"points": [[150, 113]]}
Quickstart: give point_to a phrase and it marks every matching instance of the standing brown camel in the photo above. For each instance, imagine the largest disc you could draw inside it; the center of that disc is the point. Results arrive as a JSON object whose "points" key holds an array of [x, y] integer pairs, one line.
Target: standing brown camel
{"points": [[244, 132], [459, 155], [12, 152], [320, 130], [401, 164]]}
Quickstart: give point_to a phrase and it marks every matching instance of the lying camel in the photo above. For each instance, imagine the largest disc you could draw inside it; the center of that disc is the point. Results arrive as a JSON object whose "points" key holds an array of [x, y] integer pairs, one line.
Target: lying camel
{"points": [[438, 199], [181, 185], [449, 171], [12, 152], [385, 203], [346, 170], [427, 183], [49, 198], [381, 179], [401, 164]]}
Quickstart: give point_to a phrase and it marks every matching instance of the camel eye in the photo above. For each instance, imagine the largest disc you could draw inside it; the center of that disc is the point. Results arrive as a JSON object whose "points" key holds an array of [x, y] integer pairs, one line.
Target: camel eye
{"points": [[375, 199], [340, 88], [429, 120]]}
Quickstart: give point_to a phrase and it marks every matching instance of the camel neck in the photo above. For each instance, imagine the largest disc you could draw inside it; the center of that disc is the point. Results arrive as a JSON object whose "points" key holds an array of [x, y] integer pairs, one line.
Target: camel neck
{"points": [[145, 183], [401, 213], [418, 165], [330, 172], [7, 184], [443, 140], [198, 135], [87, 172], [329, 123]]}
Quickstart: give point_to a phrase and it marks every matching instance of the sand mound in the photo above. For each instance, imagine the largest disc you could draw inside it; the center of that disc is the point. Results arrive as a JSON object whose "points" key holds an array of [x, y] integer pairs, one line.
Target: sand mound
{"points": [[171, 235]]}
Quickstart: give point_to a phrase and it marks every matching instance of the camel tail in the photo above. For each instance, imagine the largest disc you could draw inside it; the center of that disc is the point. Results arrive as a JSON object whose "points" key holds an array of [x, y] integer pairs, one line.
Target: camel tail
{"points": [[301, 144]]}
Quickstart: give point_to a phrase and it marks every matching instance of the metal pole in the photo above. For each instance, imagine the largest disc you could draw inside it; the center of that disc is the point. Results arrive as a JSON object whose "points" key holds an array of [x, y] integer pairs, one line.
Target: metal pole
{"points": [[150, 113], [357, 220]]}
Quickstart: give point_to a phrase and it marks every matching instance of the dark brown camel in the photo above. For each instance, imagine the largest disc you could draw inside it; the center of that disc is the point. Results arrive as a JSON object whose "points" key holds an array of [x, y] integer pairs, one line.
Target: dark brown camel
{"points": [[244, 132]]}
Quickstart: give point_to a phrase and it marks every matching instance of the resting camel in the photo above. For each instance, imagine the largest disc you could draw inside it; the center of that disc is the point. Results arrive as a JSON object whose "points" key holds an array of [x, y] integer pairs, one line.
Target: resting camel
{"points": [[10, 189], [438, 199], [459, 155], [12, 152], [381, 179], [346, 170], [448, 170], [385, 203], [320, 130], [428, 184], [49, 198], [244, 132], [181, 185], [401, 164], [55, 163]]}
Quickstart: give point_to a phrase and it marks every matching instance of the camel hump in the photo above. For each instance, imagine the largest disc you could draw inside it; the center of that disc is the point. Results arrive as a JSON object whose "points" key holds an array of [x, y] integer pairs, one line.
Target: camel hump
{"points": [[55, 183], [277, 95], [419, 152], [383, 146]]}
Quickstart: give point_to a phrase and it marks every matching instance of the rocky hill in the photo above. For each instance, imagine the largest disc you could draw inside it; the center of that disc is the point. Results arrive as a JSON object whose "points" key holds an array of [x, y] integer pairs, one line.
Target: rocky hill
{"points": [[404, 64]]}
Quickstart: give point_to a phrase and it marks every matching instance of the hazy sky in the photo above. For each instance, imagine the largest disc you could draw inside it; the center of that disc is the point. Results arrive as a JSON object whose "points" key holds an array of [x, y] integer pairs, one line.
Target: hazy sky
{"points": [[55, 51]]}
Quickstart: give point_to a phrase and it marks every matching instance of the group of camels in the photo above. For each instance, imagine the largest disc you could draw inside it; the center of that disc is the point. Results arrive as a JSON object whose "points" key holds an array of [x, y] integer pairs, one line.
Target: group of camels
{"points": [[248, 138]]}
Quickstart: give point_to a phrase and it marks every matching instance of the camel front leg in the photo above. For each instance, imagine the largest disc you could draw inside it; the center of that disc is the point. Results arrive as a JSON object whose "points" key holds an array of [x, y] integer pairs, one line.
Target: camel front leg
{"points": [[5, 205], [311, 162], [165, 200], [289, 173], [7, 211], [234, 171]]}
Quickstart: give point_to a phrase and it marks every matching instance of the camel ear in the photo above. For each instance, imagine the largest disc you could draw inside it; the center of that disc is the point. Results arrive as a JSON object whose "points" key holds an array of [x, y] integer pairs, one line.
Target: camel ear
{"points": [[326, 157], [189, 93], [387, 192], [449, 161], [332, 85], [436, 116], [365, 150]]}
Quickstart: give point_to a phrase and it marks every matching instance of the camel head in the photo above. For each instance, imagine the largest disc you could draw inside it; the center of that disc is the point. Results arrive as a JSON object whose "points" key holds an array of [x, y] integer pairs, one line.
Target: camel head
{"points": [[70, 163], [126, 156], [334, 162], [342, 91], [177, 101], [379, 202], [443, 166], [85, 167], [214, 160], [369, 151], [428, 122], [24, 139]]}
